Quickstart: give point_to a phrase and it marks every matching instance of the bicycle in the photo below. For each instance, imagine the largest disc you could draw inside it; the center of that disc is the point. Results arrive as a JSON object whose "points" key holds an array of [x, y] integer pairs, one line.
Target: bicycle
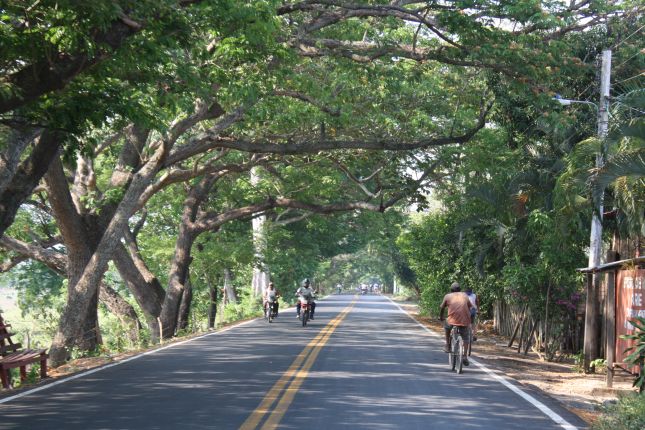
{"points": [[456, 348], [269, 311]]}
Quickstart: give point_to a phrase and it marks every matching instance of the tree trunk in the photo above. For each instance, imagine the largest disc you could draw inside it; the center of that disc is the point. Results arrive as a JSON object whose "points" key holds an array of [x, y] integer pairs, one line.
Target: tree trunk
{"points": [[147, 290], [78, 243], [184, 307], [260, 271], [228, 287], [546, 322], [212, 306], [178, 273], [81, 293], [122, 310]]}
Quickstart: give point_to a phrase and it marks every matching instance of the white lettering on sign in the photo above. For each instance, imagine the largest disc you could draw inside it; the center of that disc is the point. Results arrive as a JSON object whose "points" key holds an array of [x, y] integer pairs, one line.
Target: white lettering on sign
{"points": [[628, 325], [633, 313], [628, 283], [637, 300]]}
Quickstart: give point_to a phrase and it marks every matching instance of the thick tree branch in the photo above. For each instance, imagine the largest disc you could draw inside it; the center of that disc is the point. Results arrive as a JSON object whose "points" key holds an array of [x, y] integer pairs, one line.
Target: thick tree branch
{"points": [[308, 99], [208, 140], [194, 146], [49, 257], [27, 176], [12, 262], [359, 181]]}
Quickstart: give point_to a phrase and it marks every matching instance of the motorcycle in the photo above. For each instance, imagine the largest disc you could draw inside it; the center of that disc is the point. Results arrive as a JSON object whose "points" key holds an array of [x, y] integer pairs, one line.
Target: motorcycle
{"points": [[304, 310]]}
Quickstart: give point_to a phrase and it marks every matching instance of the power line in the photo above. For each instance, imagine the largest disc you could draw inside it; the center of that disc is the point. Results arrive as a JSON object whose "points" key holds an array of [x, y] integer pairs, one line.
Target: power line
{"points": [[629, 79], [625, 39], [623, 63]]}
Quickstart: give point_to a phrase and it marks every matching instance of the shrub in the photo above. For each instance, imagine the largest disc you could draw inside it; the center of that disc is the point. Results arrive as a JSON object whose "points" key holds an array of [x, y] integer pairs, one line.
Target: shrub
{"points": [[627, 414], [637, 352]]}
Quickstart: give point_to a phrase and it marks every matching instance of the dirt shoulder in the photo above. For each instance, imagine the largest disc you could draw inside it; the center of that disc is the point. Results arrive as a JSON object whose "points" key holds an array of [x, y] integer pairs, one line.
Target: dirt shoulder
{"points": [[581, 394]]}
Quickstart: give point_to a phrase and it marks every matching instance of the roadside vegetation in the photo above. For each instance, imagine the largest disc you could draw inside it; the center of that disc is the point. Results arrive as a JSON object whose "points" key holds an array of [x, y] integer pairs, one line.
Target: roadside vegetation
{"points": [[626, 414]]}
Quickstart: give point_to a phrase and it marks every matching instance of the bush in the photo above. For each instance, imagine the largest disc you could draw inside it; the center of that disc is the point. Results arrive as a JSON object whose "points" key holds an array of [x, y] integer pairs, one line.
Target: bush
{"points": [[627, 414], [637, 352]]}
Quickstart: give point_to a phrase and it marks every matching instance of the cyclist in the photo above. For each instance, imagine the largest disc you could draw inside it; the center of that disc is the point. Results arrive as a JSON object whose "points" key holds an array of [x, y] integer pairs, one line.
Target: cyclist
{"points": [[458, 306], [474, 300], [271, 296], [307, 292]]}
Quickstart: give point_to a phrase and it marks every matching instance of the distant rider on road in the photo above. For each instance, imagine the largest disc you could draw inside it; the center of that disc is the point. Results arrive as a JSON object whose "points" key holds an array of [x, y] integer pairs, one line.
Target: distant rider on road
{"points": [[271, 296]]}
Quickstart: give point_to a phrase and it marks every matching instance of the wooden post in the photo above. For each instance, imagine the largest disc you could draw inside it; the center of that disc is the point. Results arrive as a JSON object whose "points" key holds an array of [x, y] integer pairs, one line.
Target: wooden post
{"points": [[610, 324], [591, 323], [517, 326], [530, 337], [519, 342]]}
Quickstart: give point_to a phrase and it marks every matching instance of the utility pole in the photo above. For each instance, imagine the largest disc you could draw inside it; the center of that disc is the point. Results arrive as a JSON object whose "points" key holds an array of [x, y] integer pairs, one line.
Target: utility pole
{"points": [[592, 305]]}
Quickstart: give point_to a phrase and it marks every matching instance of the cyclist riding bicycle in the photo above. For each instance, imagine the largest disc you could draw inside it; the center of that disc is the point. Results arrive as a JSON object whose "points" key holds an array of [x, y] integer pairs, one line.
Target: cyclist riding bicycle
{"points": [[458, 306], [271, 297], [474, 300], [307, 292]]}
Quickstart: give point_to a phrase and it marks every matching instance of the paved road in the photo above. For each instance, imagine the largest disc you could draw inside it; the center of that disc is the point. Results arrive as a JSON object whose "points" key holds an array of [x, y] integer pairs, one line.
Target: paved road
{"points": [[362, 363]]}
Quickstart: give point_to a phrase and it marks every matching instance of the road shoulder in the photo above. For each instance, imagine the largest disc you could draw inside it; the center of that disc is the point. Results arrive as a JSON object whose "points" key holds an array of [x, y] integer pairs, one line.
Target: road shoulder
{"points": [[579, 393]]}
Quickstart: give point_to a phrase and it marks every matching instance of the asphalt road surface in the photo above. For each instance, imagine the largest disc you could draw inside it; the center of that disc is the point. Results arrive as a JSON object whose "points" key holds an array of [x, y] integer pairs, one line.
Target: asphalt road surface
{"points": [[363, 363]]}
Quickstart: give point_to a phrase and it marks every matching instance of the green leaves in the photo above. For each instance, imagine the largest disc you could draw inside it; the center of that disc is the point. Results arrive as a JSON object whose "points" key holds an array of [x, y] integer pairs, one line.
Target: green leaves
{"points": [[637, 352]]}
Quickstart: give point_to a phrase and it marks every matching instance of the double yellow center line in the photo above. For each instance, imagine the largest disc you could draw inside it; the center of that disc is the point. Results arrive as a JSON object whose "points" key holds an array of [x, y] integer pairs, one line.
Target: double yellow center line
{"points": [[296, 373]]}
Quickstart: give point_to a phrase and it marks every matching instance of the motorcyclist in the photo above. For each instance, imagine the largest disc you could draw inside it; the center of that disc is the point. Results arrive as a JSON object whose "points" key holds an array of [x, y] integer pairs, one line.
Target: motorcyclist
{"points": [[271, 296], [307, 292]]}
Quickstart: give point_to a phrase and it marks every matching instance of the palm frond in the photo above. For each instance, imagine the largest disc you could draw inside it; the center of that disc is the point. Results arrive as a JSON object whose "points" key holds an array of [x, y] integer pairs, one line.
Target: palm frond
{"points": [[629, 164]]}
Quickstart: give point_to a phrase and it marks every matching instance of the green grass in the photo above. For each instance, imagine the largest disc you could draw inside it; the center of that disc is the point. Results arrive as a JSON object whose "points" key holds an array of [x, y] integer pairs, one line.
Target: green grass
{"points": [[627, 414]]}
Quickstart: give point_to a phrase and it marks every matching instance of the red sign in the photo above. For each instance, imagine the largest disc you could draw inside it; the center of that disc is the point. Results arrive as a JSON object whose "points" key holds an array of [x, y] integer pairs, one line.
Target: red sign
{"points": [[630, 303]]}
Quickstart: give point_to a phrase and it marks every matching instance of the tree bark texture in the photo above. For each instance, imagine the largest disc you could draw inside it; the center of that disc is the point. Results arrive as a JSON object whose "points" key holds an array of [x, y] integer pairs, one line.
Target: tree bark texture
{"points": [[185, 305], [16, 143], [178, 273], [78, 242], [231, 297], [212, 306], [27, 176], [122, 310], [260, 279], [148, 292]]}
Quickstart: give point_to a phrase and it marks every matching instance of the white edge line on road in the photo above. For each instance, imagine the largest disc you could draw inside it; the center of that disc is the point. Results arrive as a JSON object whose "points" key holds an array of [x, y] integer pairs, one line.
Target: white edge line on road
{"points": [[503, 380], [107, 366]]}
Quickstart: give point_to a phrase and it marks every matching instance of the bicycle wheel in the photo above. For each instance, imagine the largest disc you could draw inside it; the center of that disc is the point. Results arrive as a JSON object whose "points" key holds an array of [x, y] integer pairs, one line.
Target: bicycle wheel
{"points": [[451, 355], [458, 351]]}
